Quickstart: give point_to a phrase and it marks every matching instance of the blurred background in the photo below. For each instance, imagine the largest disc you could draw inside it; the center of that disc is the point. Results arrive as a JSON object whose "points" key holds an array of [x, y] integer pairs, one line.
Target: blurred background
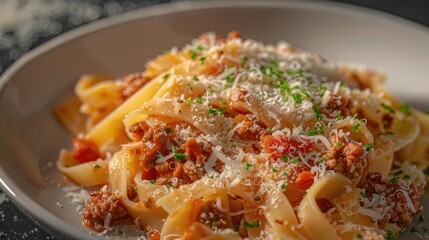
{"points": [[25, 24]]}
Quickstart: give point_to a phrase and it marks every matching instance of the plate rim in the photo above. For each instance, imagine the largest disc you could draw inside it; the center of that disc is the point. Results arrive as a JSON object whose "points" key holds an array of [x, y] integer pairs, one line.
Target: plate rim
{"points": [[52, 223]]}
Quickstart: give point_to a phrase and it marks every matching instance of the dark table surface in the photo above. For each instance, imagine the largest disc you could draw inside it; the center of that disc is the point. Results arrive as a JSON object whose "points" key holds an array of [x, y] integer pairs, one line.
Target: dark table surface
{"points": [[14, 42]]}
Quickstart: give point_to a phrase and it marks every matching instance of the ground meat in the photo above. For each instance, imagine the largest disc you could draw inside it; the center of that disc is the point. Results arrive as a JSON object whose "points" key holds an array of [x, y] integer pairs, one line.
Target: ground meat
{"points": [[336, 105], [350, 159], [132, 83], [392, 205], [212, 216], [185, 166], [154, 139], [138, 130], [101, 205], [251, 128], [193, 151]]}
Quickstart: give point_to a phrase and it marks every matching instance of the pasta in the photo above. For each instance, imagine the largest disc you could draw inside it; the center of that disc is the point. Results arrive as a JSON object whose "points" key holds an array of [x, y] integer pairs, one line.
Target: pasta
{"points": [[229, 138]]}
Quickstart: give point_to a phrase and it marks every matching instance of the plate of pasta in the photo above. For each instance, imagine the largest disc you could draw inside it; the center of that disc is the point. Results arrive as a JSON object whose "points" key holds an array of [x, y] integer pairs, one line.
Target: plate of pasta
{"points": [[240, 129]]}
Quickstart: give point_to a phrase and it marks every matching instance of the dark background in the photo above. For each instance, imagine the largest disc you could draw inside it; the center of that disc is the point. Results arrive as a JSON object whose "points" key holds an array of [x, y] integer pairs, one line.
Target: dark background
{"points": [[13, 223]]}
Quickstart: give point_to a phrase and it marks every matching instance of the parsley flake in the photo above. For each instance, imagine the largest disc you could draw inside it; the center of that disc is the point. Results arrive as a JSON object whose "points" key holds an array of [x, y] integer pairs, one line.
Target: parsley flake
{"points": [[200, 99], [297, 97], [166, 76], [388, 108], [152, 181], [394, 179], [248, 166], [368, 147], [179, 156], [169, 130], [212, 111], [251, 225], [202, 60], [318, 114], [404, 108]]}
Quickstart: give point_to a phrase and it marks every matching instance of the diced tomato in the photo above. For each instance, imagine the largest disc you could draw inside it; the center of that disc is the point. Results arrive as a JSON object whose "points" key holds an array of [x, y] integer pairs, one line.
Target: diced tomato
{"points": [[304, 180], [84, 150], [324, 204], [277, 147], [148, 175], [154, 236]]}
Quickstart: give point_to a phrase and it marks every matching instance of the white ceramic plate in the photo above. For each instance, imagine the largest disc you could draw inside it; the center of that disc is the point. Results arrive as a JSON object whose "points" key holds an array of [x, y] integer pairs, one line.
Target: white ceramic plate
{"points": [[31, 137]]}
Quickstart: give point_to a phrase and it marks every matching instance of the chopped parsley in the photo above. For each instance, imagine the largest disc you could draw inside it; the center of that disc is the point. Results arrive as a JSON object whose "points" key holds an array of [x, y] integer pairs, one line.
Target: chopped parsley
{"points": [[179, 156], [317, 130], [413, 230], [244, 59], [363, 194], [248, 166], [388, 108], [359, 236], [426, 171], [202, 60], [404, 108], [97, 166], [152, 181], [297, 97], [221, 111], [285, 174], [421, 219], [368, 147], [339, 144], [285, 158], [169, 130], [339, 117], [196, 51], [257, 199], [200, 99], [230, 78], [318, 114], [212, 111], [390, 235], [394, 179], [273, 169], [214, 224], [195, 78], [251, 225], [189, 101], [283, 186], [294, 160], [356, 126], [166, 76]]}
